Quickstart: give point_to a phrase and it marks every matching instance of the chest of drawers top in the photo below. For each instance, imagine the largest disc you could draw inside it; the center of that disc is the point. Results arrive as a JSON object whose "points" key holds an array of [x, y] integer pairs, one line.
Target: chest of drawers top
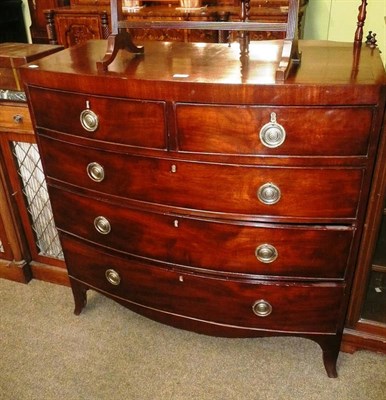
{"points": [[330, 73]]}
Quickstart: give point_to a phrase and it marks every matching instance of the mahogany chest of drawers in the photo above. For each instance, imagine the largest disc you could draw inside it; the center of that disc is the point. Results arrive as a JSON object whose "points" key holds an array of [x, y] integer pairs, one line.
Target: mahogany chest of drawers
{"points": [[212, 199]]}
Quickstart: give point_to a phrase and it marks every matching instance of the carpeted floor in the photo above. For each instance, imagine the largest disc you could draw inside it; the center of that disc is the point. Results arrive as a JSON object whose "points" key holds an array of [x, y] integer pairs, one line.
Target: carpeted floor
{"points": [[110, 353]]}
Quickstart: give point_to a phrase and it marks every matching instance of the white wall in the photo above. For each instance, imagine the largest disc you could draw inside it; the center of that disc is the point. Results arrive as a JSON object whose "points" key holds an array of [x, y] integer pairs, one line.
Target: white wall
{"points": [[336, 20]]}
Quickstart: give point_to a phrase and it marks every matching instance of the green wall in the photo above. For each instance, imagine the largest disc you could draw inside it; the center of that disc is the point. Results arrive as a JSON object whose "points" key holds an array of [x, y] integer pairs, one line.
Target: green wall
{"points": [[336, 20]]}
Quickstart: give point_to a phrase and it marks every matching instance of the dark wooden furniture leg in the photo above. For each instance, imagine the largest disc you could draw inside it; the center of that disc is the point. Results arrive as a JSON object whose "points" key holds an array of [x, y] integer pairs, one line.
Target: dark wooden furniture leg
{"points": [[120, 41], [79, 291], [330, 346]]}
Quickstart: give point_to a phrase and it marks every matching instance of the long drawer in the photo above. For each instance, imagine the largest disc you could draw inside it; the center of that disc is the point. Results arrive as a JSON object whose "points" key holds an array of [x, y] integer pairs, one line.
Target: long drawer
{"points": [[267, 191], [261, 249], [276, 306], [128, 122], [307, 131]]}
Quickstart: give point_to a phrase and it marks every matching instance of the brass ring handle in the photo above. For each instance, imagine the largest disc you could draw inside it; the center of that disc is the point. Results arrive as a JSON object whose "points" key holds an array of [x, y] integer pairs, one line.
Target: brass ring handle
{"points": [[269, 193], [89, 120], [266, 253], [113, 277], [102, 225], [272, 134], [262, 308], [95, 172]]}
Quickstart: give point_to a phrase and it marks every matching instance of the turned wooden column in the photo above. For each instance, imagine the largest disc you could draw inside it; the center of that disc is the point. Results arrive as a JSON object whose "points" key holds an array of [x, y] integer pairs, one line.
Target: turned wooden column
{"points": [[51, 32], [361, 22]]}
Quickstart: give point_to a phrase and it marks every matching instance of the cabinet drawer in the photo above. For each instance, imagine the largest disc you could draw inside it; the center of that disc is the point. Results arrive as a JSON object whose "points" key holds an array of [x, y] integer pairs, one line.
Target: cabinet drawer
{"points": [[233, 189], [295, 307], [308, 131], [15, 118], [261, 249], [128, 122]]}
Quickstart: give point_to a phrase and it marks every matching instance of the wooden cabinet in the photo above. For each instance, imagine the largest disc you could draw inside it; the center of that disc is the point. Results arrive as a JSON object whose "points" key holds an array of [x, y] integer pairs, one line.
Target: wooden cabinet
{"points": [[366, 322], [38, 26], [213, 199], [85, 19], [79, 21], [72, 25], [27, 233], [14, 256]]}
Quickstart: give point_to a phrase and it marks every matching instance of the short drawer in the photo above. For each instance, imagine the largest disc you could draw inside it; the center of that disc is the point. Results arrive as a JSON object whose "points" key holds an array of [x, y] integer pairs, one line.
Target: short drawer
{"points": [[232, 189], [277, 306], [260, 249], [254, 130], [127, 122], [15, 118]]}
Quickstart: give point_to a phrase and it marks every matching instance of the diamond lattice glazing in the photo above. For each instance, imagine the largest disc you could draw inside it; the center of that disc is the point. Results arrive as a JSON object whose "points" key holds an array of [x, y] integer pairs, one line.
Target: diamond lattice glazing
{"points": [[36, 195]]}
